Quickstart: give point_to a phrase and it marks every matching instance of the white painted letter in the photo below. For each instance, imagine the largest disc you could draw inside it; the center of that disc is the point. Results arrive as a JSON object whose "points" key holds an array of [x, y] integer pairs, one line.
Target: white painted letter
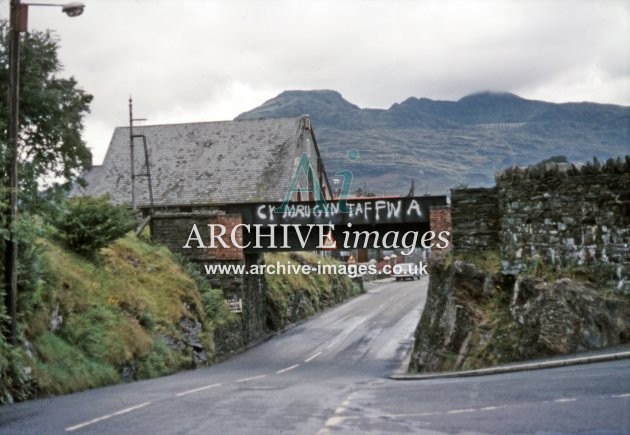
{"points": [[413, 205]]}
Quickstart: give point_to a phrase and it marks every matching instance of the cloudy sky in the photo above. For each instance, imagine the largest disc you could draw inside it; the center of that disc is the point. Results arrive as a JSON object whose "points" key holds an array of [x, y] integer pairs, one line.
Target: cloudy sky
{"points": [[211, 60]]}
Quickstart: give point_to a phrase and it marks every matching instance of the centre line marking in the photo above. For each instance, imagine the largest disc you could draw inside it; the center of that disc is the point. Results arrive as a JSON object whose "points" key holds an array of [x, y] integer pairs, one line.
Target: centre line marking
{"points": [[105, 417], [251, 379], [287, 369], [619, 396], [460, 411], [207, 387], [565, 400], [334, 342], [312, 357]]}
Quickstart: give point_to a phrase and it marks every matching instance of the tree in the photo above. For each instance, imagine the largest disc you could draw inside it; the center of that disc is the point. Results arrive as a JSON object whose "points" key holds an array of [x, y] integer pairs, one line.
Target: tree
{"points": [[51, 113]]}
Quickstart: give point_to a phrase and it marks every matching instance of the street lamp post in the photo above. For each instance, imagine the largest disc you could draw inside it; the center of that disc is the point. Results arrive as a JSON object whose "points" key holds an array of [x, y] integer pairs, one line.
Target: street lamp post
{"points": [[18, 23]]}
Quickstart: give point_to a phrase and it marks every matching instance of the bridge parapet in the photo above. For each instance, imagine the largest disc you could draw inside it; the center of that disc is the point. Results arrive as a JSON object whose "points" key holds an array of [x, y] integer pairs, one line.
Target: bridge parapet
{"points": [[224, 234]]}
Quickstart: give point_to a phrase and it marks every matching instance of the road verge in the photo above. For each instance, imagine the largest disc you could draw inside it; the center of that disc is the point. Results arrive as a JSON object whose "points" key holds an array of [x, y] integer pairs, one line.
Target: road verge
{"points": [[401, 375]]}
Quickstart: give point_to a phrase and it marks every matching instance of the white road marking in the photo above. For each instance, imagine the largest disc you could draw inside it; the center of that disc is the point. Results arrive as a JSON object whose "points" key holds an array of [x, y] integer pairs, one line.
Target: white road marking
{"points": [[340, 410], [491, 408], [460, 411], [349, 330], [335, 342], [338, 418], [332, 421], [251, 379], [312, 357], [287, 369], [207, 387], [619, 396], [105, 417]]}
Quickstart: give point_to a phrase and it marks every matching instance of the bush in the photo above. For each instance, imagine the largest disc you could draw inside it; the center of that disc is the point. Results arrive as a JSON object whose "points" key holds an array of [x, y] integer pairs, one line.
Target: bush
{"points": [[87, 224], [14, 381], [213, 300]]}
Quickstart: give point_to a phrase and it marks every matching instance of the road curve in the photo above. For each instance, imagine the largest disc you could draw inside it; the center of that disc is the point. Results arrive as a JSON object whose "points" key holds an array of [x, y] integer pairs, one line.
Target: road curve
{"points": [[329, 375]]}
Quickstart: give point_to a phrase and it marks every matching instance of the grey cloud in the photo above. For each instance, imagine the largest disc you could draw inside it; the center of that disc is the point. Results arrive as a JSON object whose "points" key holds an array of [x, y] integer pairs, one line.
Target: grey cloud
{"points": [[204, 60]]}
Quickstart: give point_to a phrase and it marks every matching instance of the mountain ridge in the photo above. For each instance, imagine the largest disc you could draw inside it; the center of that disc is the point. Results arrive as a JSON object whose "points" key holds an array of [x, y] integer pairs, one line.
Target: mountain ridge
{"points": [[442, 143]]}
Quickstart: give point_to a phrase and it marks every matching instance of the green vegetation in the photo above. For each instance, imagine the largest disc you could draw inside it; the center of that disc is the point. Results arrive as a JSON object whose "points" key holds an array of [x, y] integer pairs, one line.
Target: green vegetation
{"points": [[293, 297], [601, 276], [87, 224], [51, 114], [87, 323], [50, 125], [490, 261]]}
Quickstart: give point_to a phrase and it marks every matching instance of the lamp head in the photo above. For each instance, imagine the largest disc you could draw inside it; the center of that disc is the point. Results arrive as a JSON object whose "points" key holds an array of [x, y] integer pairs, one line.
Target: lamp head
{"points": [[73, 9]]}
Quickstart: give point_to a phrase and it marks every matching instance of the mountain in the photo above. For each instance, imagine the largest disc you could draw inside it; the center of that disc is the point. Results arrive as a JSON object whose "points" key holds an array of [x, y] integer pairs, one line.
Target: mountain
{"points": [[441, 144]]}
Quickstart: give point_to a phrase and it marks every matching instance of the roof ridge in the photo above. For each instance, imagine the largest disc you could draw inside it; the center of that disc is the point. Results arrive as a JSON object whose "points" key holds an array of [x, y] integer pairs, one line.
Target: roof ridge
{"points": [[215, 122], [204, 162]]}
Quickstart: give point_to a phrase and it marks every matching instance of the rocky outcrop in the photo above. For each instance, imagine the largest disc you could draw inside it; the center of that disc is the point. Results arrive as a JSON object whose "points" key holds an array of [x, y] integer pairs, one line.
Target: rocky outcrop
{"points": [[566, 316], [474, 318]]}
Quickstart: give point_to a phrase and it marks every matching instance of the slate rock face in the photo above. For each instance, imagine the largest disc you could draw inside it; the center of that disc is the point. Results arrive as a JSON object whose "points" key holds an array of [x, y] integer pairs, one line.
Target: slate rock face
{"points": [[191, 330], [568, 316], [474, 318]]}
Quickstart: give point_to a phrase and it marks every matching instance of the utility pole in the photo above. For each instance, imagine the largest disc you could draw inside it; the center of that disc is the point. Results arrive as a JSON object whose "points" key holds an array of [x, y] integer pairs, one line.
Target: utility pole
{"points": [[16, 24]]}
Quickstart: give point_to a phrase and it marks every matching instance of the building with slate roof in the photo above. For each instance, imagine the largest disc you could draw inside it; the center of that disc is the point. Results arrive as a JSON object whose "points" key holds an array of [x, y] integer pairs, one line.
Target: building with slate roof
{"points": [[208, 163]]}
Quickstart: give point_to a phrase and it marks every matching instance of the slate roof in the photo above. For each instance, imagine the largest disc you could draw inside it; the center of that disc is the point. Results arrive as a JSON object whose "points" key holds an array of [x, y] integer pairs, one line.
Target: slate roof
{"points": [[202, 163]]}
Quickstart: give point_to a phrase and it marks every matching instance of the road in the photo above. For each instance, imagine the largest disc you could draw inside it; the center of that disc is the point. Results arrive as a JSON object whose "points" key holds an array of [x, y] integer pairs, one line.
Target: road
{"points": [[329, 375]]}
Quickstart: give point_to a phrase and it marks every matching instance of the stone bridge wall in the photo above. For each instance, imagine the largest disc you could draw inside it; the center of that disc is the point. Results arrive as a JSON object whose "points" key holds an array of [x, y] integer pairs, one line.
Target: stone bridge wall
{"points": [[562, 219], [475, 221], [172, 230]]}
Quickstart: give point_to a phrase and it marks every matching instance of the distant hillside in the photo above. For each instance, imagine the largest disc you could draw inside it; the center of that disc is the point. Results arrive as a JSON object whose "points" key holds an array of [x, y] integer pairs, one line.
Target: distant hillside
{"points": [[442, 144]]}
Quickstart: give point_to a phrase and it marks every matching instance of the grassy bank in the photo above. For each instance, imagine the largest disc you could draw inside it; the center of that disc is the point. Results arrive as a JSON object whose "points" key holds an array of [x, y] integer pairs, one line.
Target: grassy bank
{"points": [[134, 313], [293, 297]]}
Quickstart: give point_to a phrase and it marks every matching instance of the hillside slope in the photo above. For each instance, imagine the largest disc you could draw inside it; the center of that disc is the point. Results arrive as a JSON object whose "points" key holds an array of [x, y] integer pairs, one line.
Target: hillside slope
{"points": [[442, 144], [136, 313]]}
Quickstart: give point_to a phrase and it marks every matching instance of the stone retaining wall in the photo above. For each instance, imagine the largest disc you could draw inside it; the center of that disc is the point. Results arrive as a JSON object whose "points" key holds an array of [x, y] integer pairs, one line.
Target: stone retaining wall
{"points": [[558, 218]]}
